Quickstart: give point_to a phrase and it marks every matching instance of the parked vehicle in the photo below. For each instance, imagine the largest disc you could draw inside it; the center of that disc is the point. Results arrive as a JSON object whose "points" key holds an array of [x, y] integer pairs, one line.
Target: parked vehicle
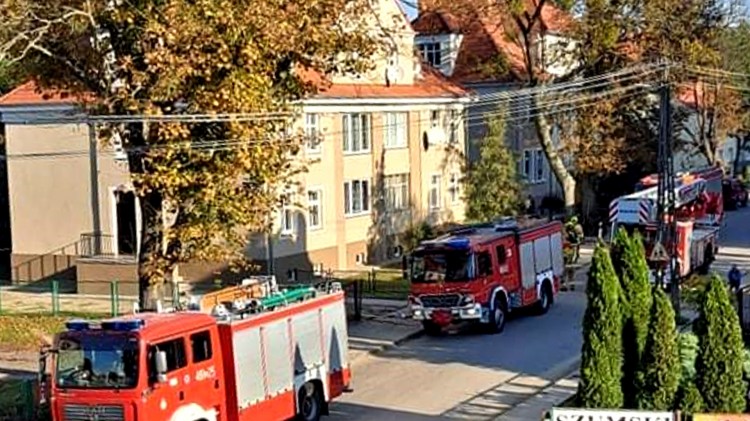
{"points": [[734, 192], [713, 212], [697, 231], [255, 359], [483, 272]]}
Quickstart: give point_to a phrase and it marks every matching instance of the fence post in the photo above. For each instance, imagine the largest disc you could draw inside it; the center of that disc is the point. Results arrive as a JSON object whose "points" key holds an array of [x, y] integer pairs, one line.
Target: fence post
{"points": [[55, 297], [27, 397], [114, 298], [357, 300]]}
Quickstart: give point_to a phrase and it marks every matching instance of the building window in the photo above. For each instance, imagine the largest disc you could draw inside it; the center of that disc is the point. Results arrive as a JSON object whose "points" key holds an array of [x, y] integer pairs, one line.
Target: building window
{"points": [[526, 163], [539, 165], [356, 197], [313, 137], [356, 127], [454, 188], [396, 192], [395, 131], [434, 197], [453, 126], [431, 53], [434, 118], [314, 209], [532, 165], [287, 214]]}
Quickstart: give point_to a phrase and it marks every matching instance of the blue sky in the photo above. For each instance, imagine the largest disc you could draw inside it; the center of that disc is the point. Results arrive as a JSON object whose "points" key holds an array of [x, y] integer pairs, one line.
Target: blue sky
{"points": [[411, 11]]}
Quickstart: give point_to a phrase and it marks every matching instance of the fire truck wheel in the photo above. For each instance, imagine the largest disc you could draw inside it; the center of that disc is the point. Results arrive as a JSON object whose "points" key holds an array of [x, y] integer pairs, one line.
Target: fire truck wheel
{"points": [[431, 328], [498, 315], [310, 403], [545, 301]]}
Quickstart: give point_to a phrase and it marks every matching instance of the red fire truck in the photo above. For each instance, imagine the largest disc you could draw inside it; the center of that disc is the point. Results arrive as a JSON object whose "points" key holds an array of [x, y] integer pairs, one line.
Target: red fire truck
{"points": [[713, 212], [698, 212], [480, 273], [265, 359]]}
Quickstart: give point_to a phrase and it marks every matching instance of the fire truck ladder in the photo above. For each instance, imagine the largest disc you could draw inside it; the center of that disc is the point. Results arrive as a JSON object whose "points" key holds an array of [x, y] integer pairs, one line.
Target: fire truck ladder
{"points": [[685, 192]]}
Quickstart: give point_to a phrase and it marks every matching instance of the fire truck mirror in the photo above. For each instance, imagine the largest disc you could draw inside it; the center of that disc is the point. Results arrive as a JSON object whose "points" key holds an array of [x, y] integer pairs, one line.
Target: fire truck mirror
{"points": [[161, 366]]}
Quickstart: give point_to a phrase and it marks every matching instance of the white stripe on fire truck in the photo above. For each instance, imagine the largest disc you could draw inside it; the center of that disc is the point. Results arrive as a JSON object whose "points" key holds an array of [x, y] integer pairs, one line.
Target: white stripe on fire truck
{"points": [[644, 211]]}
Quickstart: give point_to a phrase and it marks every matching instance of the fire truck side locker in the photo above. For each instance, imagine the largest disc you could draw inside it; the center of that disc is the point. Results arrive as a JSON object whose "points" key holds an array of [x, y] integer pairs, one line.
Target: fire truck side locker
{"points": [[541, 259], [269, 357]]}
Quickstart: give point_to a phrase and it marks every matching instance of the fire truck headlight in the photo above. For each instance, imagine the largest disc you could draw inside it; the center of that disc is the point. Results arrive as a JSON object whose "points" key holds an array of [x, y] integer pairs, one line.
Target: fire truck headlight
{"points": [[466, 300]]}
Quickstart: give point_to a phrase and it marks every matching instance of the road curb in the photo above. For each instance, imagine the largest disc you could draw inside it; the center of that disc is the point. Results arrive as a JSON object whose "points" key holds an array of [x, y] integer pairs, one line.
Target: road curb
{"points": [[379, 349]]}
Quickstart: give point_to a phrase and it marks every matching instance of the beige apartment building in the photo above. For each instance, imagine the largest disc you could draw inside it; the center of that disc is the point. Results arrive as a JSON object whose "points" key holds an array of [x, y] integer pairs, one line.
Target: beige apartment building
{"points": [[386, 149]]}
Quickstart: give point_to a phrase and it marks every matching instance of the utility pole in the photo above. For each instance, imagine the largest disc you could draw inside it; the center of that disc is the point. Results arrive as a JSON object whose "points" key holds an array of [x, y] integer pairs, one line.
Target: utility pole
{"points": [[666, 233]]}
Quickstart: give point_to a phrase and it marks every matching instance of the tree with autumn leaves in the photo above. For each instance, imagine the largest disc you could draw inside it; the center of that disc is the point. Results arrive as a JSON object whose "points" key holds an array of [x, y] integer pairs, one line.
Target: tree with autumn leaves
{"points": [[607, 129], [216, 179]]}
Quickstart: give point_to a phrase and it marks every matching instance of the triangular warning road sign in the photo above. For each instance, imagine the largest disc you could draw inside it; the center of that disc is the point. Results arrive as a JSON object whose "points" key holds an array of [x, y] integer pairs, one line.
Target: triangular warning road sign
{"points": [[659, 253]]}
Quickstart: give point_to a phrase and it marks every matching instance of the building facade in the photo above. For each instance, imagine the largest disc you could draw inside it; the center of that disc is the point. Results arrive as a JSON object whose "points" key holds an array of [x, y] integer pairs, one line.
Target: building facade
{"points": [[468, 42], [385, 150]]}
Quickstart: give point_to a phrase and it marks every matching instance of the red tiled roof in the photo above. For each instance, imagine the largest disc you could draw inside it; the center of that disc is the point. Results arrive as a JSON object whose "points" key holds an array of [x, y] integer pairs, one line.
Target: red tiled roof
{"points": [[30, 94], [432, 84], [692, 95], [487, 51]]}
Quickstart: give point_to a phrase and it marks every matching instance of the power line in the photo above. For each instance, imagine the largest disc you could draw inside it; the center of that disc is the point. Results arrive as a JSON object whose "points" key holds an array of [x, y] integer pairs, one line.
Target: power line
{"points": [[524, 114]]}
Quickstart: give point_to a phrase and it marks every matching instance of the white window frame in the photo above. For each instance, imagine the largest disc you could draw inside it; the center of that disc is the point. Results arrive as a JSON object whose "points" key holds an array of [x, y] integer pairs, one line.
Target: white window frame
{"points": [[396, 189], [395, 130], [317, 205], [286, 214], [434, 197], [362, 138], [526, 164], [313, 134], [453, 120], [365, 187], [539, 167], [431, 53], [454, 188]]}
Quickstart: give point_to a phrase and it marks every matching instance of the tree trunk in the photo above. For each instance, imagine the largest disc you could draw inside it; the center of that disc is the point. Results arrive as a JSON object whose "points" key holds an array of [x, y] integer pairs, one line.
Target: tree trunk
{"points": [[149, 285], [562, 174]]}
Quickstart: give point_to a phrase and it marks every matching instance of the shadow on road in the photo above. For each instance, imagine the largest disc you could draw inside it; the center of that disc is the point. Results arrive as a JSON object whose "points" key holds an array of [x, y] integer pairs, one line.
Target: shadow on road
{"points": [[530, 344]]}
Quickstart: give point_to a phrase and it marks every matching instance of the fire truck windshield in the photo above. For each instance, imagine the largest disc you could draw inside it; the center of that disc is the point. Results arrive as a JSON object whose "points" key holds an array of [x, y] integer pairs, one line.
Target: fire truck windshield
{"points": [[441, 266], [97, 361]]}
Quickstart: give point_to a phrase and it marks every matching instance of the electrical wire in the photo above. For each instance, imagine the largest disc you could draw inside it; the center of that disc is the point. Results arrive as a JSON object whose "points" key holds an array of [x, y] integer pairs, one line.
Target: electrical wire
{"points": [[526, 113]]}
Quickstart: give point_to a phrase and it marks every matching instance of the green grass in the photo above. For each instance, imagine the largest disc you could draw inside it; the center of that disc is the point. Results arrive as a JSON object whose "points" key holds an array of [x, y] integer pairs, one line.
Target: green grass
{"points": [[27, 331]]}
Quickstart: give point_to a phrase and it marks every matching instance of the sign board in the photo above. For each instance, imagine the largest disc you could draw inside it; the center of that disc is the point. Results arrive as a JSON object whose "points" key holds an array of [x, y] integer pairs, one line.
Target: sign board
{"points": [[583, 414], [721, 417], [659, 253]]}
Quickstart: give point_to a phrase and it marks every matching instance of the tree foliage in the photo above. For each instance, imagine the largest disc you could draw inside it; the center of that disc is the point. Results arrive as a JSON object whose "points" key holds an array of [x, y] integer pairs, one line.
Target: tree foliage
{"points": [[601, 355], [219, 179], [660, 368], [629, 258], [492, 187], [689, 399], [719, 364]]}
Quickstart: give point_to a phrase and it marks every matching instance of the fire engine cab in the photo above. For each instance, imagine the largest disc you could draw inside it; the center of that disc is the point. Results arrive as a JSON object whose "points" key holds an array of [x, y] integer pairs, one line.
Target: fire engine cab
{"points": [[697, 217], [482, 272], [271, 357]]}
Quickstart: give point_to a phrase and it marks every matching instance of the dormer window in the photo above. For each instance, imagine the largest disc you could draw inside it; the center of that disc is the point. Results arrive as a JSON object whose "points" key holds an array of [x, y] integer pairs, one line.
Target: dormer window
{"points": [[431, 53]]}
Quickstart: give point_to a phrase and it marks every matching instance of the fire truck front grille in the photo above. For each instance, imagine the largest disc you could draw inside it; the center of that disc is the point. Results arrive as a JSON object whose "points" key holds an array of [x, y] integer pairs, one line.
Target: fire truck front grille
{"points": [[93, 412], [440, 301]]}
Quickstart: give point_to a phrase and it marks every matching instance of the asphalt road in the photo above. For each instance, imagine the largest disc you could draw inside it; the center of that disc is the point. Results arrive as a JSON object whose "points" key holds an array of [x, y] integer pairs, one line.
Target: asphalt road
{"points": [[469, 375]]}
